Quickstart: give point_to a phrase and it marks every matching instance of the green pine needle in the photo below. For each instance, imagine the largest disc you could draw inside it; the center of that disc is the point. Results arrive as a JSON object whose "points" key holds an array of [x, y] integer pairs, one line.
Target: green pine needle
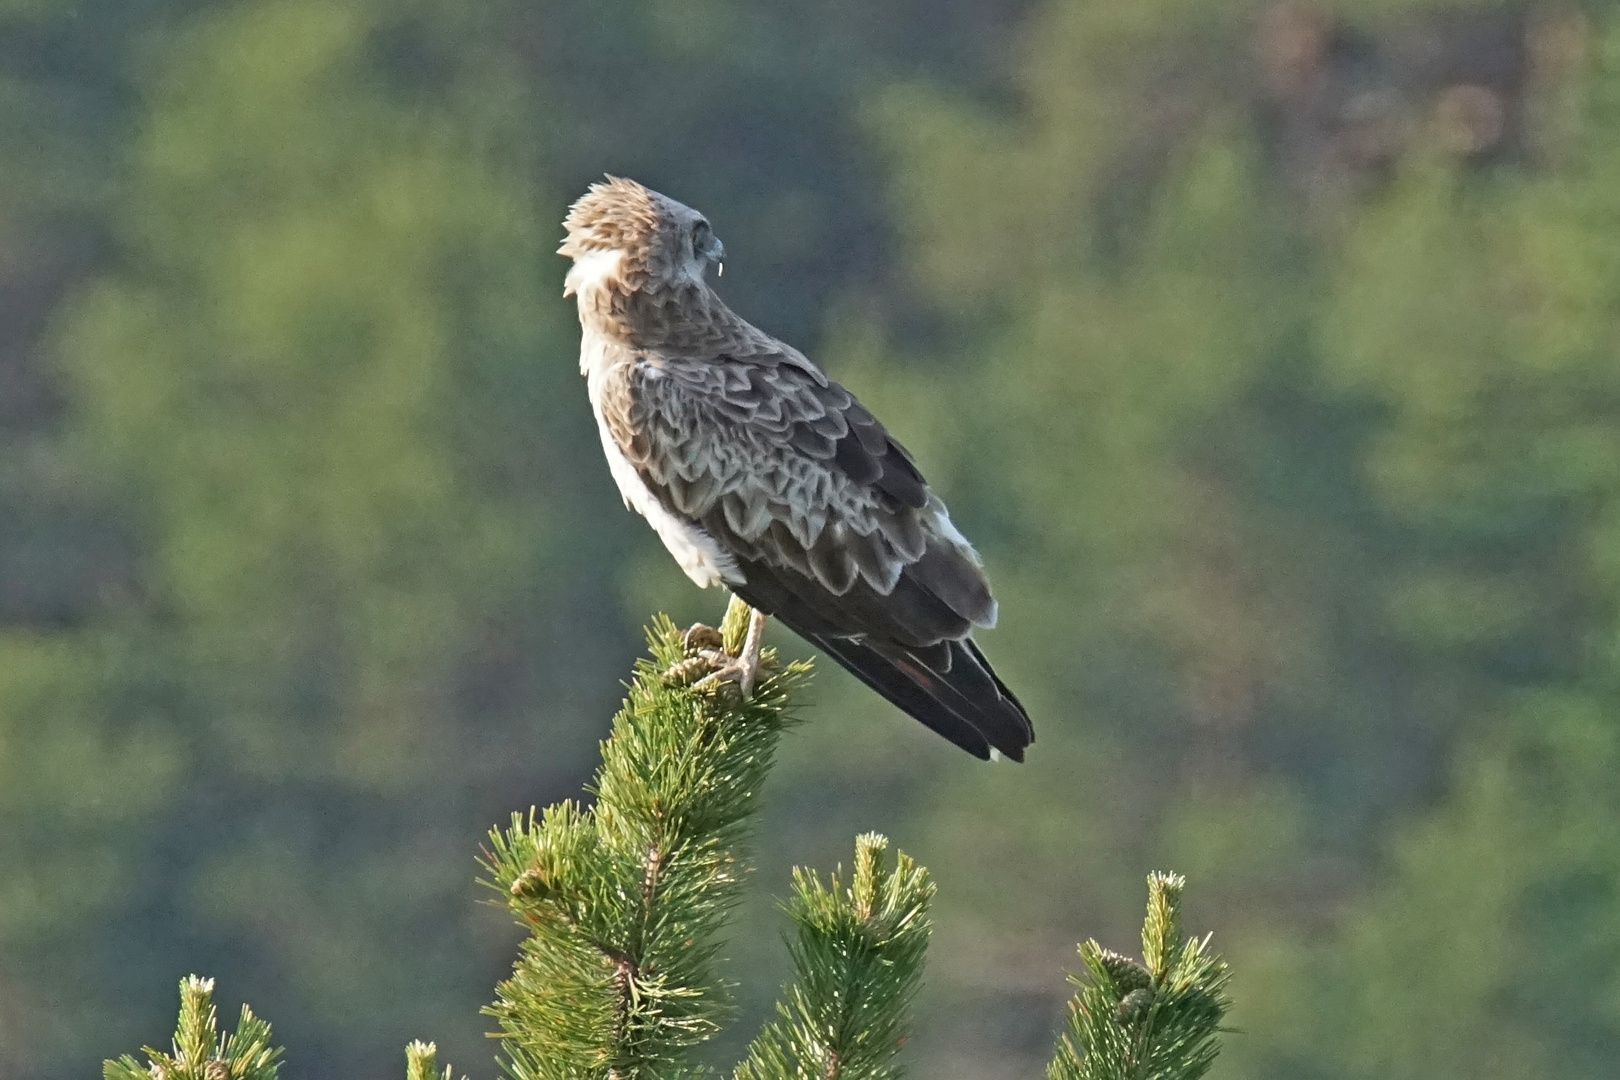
{"points": [[734, 625], [858, 953], [1161, 934], [624, 899], [199, 1051], [1157, 1020]]}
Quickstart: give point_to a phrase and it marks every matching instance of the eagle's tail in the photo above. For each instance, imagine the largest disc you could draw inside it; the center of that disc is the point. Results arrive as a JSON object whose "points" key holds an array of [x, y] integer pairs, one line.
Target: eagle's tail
{"points": [[951, 688]]}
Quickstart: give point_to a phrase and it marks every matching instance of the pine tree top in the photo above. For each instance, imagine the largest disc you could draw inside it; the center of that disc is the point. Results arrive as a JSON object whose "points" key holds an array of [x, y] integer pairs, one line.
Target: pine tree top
{"points": [[624, 898]]}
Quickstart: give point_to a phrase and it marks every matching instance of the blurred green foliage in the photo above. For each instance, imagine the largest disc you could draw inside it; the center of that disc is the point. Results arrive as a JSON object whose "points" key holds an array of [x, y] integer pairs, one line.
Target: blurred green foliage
{"points": [[1268, 351]]}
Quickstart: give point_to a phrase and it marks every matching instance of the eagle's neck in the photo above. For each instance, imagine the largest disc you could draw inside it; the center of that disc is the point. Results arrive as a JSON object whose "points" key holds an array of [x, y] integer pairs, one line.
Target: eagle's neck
{"points": [[597, 281], [625, 306]]}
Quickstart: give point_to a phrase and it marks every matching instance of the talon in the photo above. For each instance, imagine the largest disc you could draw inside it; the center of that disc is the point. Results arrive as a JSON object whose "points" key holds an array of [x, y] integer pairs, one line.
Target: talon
{"points": [[706, 655], [731, 673], [744, 668], [699, 638]]}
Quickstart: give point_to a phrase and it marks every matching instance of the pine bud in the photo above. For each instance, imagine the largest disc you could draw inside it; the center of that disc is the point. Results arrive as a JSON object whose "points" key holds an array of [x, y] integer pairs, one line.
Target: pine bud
{"points": [[216, 1070]]}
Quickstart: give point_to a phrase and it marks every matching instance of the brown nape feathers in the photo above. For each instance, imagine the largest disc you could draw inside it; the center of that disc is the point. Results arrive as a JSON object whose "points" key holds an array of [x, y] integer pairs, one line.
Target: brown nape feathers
{"points": [[649, 229]]}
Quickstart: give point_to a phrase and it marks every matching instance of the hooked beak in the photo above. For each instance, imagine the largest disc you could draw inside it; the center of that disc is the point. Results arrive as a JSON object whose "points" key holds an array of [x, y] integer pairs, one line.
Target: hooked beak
{"points": [[716, 253]]}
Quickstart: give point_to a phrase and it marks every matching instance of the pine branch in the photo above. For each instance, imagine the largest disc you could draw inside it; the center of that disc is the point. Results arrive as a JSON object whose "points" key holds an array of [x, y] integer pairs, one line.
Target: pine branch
{"points": [[1155, 1020], [624, 899], [199, 1051], [858, 953]]}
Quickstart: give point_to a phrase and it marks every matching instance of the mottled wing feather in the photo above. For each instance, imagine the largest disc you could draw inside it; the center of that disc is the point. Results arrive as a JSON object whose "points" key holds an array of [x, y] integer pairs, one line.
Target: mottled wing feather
{"points": [[789, 469], [833, 528]]}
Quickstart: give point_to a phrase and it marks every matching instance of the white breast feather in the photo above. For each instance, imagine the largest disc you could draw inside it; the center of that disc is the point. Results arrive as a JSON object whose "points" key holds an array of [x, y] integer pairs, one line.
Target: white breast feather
{"points": [[591, 269], [699, 556]]}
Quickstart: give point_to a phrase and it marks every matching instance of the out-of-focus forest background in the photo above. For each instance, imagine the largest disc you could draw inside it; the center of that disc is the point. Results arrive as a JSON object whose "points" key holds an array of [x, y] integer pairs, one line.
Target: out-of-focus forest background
{"points": [[1268, 351]]}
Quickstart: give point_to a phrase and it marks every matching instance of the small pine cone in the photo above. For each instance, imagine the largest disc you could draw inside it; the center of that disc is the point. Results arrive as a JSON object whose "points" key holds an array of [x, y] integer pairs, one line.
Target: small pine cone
{"points": [[216, 1070], [688, 671], [1126, 973], [1135, 1006]]}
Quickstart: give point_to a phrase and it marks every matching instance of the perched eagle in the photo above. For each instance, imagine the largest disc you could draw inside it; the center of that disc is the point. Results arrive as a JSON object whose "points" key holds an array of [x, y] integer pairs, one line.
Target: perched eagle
{"points": [[761, 474]]}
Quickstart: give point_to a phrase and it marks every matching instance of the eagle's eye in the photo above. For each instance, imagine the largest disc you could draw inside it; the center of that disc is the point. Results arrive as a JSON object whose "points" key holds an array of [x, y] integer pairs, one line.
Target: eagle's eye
{"points": [[700, 237]]}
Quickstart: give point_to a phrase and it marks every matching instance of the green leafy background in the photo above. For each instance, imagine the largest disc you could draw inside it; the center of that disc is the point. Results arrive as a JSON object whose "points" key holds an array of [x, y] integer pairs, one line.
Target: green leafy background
{"points": [[1268, 351]]}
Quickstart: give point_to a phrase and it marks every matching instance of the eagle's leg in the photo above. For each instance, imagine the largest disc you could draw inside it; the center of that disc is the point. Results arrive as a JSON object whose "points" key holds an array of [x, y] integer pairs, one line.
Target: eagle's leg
{"points": [[748, 659], [744, 667]]}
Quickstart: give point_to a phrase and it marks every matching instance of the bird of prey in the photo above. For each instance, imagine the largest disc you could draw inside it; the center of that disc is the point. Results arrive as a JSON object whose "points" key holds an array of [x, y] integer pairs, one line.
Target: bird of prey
{"points": [[762, 475]]}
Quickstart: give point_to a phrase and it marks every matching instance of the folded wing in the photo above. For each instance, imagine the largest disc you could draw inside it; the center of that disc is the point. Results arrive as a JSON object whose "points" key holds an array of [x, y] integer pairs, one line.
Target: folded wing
{"points": [[833, 529]]}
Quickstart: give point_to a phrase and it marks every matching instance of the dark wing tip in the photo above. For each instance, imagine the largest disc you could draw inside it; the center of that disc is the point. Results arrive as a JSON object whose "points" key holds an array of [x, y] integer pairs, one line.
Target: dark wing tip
{"points": [[948, 685], [972, 690], [904, 692], [966, 703], [1002, 689]]}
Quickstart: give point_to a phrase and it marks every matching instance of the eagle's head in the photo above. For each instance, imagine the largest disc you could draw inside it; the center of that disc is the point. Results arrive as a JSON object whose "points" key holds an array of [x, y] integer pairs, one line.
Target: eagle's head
{"points": [[630, 236]]}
